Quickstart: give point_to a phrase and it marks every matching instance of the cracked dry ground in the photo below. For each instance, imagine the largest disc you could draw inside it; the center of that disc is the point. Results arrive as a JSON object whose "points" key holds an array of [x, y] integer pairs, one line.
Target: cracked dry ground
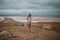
{"points": [[22, 33]]}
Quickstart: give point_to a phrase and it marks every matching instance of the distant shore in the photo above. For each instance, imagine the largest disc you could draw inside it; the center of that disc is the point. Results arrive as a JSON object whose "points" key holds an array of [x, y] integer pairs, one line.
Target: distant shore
{"points": [[34, 19]]}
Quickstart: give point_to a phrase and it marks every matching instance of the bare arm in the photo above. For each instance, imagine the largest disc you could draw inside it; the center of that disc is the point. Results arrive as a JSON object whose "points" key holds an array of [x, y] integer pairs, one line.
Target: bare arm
{"points": [[27, 18], [31, 18]]}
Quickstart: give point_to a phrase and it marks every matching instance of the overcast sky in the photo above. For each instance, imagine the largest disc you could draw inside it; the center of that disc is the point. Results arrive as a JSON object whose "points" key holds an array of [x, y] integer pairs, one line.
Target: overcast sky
{"points": [[42, 7]]}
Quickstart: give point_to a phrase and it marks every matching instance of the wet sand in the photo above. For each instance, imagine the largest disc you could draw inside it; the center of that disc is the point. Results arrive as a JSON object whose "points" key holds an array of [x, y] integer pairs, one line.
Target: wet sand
{"points": [[37, 32]]}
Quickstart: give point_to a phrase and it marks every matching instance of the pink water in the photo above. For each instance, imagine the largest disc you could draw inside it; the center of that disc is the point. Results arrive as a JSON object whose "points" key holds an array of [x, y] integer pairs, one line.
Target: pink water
{"points": [[36, 19]]}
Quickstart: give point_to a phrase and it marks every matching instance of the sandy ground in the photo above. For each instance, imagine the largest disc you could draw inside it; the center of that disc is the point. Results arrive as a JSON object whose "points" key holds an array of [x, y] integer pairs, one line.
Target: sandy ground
{"points": [[21, 32]]}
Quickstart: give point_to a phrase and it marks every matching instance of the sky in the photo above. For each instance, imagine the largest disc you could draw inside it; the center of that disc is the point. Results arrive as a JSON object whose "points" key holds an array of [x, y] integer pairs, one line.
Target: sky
{"points": [[49, 8]]}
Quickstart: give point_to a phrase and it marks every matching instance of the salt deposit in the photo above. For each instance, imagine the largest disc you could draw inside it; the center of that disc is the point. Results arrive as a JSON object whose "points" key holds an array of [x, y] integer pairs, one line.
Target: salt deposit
{"points": [[1, 19], [47, 26]]}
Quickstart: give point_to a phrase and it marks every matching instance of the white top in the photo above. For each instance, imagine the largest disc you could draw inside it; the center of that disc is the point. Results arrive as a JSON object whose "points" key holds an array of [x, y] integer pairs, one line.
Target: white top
{"points": [[28, 21]]}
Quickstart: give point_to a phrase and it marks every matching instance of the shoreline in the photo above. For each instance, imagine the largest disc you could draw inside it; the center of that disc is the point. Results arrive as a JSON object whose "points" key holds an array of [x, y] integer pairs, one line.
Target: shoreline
{"points": [[34, 19]]}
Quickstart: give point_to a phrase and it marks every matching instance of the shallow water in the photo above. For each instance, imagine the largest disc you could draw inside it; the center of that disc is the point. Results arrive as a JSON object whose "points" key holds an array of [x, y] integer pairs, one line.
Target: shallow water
{"points": [[35, 19]]}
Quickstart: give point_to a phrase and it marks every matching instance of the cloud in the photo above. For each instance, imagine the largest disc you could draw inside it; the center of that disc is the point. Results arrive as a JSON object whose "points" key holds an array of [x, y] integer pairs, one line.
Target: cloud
{"points": [[27, 10], [55, 4], [42, 7], [34, 4]]}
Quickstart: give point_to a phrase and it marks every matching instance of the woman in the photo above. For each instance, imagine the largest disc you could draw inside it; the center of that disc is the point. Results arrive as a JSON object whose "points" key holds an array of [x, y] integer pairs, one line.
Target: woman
{"points": [[29, 21]]}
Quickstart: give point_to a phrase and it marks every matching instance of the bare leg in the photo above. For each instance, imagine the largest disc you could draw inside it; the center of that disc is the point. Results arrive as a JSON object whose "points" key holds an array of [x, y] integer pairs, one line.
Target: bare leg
{"points": [[29, 25]]}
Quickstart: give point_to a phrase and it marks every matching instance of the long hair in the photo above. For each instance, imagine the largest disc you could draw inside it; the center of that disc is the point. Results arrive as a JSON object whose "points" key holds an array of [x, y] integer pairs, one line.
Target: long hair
{"points": [[29, 14]]}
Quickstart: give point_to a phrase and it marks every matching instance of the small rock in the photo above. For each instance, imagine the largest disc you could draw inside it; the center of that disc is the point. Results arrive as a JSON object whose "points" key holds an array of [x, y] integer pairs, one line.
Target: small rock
{"points": [[47, 26]]}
